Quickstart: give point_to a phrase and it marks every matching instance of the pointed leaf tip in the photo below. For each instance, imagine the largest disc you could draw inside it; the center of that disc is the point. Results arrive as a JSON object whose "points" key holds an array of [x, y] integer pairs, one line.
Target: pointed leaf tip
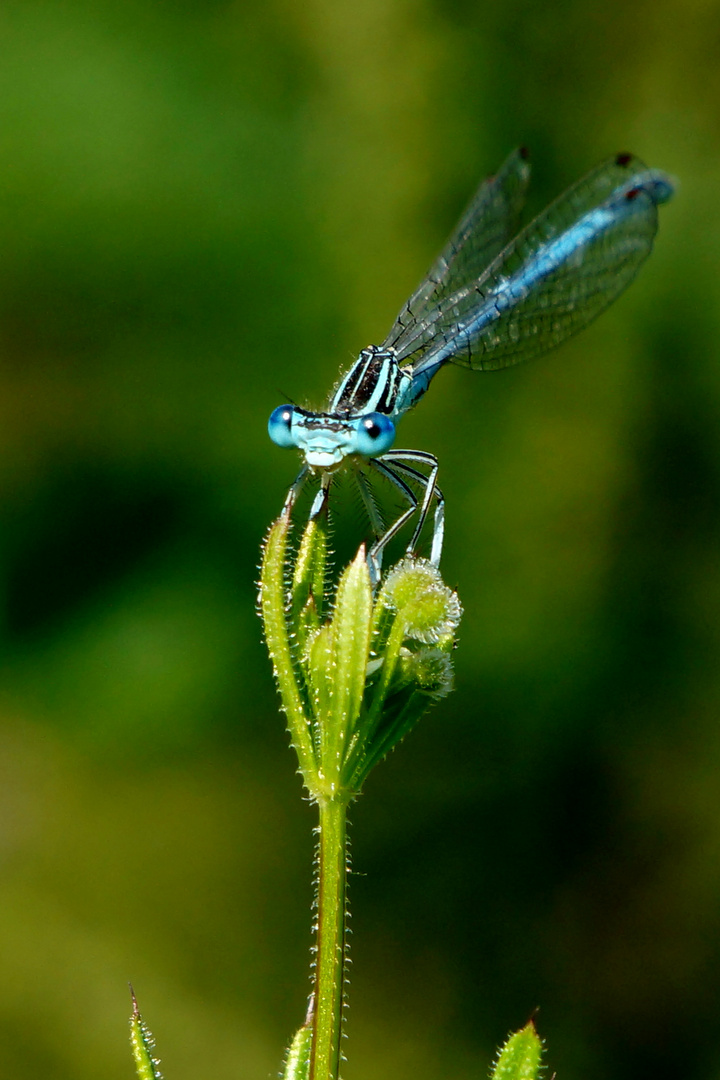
{"points": [[147, 1067], [519, 1058]]}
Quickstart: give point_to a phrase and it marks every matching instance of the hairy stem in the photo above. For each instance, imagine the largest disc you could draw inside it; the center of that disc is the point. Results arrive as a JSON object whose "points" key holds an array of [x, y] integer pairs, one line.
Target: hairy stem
{"points": [[330, 941]]}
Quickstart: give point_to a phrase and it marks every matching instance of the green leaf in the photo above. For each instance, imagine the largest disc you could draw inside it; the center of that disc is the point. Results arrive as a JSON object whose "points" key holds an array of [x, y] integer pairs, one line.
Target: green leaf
{"points": [[519, 1058], [143, 1045], [319, 664], [273, 610], [352, 621], [308, 585], [297, 1060]]}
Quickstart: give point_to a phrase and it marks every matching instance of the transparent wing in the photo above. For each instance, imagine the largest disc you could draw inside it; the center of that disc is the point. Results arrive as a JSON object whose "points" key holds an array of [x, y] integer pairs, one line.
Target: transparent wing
{"points": [[559, 273], [488, 224]]}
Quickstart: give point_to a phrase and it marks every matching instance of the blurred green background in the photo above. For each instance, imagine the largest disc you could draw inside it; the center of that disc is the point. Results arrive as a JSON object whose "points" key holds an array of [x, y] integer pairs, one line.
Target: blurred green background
{"points": [[207, 208]]}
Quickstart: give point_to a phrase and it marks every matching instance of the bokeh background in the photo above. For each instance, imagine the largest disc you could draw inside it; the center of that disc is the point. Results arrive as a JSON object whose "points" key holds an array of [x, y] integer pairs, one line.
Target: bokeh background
{"points": [[207, 208]]}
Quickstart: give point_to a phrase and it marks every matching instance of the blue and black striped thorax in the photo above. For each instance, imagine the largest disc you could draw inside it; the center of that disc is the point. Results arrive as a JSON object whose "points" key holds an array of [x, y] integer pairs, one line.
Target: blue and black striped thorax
{"points": [[374, 384]]}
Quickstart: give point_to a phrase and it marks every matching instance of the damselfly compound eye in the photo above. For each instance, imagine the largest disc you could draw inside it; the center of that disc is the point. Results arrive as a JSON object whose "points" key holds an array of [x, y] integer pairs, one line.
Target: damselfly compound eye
{"points": [[280, 425], [375, 434]]}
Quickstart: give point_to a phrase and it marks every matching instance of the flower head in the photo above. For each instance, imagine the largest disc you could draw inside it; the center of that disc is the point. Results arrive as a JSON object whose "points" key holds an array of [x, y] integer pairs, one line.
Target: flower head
{"points": [[355, 671]]}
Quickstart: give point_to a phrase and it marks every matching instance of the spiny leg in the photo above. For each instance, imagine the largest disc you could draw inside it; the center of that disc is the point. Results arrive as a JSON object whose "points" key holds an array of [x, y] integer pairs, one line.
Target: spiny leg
{"points": [[428, 482], [374, 556], [291, 497], [321, 499], [430, 490], [376, 551], [376, 523]]}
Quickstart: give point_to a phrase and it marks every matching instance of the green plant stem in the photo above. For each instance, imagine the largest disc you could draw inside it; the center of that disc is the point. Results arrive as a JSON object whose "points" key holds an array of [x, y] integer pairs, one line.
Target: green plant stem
{"points": [[330, 940]]}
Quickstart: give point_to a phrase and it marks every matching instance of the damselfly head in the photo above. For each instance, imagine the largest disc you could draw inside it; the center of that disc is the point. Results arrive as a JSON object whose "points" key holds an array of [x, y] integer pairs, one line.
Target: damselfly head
{"points": [[326, 439]]}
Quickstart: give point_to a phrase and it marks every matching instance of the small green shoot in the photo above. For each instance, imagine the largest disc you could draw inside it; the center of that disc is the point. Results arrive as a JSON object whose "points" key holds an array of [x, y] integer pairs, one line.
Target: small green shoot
{"points": [[143, 1045], [519, 1059]]}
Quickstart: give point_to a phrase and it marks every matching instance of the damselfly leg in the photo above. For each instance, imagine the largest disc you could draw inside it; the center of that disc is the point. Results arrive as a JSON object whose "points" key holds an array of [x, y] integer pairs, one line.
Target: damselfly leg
{"points": [[396, 467], [418, 489]]}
